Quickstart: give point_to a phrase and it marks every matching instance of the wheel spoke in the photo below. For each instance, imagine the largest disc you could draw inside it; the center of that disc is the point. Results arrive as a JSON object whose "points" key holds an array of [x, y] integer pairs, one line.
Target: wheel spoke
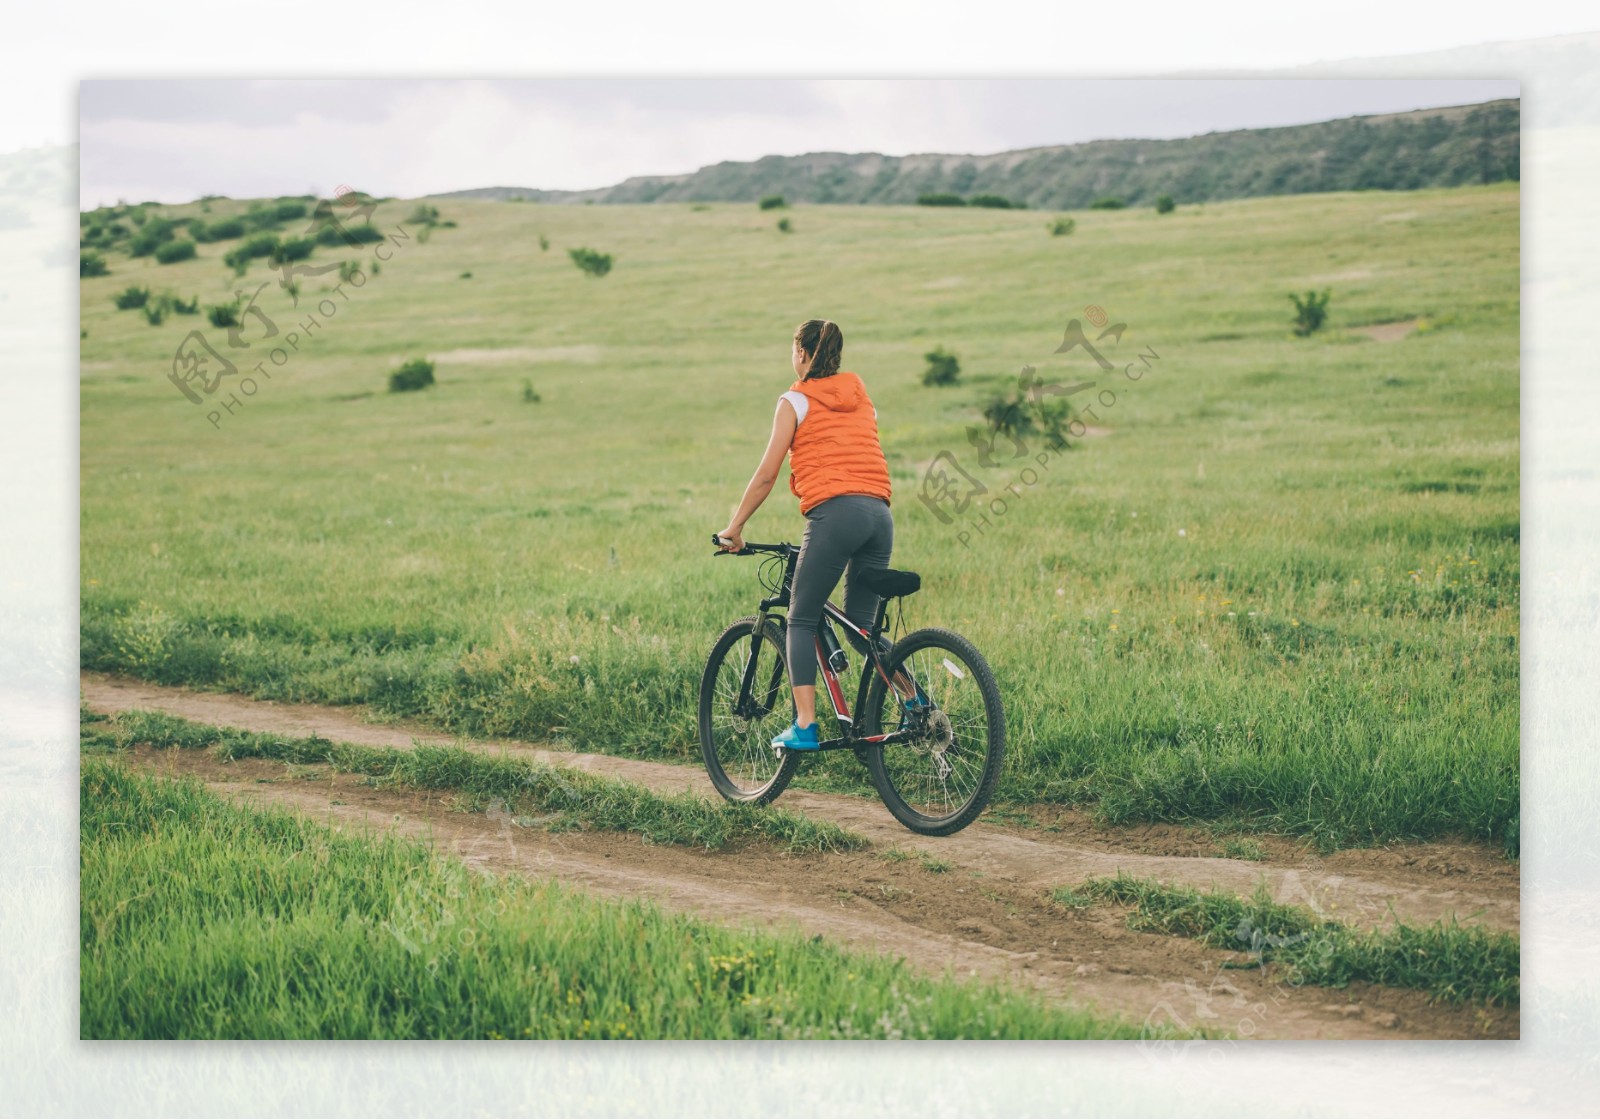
{"points": [[939, 773], [741, 745]]}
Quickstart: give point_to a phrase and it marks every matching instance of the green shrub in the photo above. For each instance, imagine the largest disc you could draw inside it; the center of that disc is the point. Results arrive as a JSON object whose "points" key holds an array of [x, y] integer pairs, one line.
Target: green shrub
{"points": [[261, 219], [424, 215], [288, 211], [221, 231], [348, 235], [261, 245], [155, 312], [348, 271], [995, 202], [1107, 203], [1165, 205], [465, 276], [1018, 415], [415, 374], [943, 368], [92, 264], [592, 262], [182, 308], [772, 202], [295, 249], [544, 243], [131, 297], [1061, 227], [940, 199], [171, 252], [785, 226], [529, 394], [1309, 313], [152, 235], [223, 315]]}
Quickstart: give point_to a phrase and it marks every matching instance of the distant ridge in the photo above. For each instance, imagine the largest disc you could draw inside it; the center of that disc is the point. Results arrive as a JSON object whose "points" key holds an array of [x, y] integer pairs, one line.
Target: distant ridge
{"points": [[1442, 147]]}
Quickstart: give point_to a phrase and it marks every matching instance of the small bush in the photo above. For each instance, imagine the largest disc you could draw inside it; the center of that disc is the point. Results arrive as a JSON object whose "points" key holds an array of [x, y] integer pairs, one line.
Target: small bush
{"points": [[466, 276], [155, 312], [1165, 205], [182, 308], [92, 264], [226, 230], [415, 374], [943, 368], [544, 243], [223, 315], [529, 394], [1017, 415], [261, 245], [592, 262], [785, 226], [295, 249], [131, 297], [940, 199], [289, 211], [261, 219], [172, 252], [1061, 227], [348, 271], [1107, 203], [424, 215], [348, 235], [995, 202], [772, 202], [1309, 313], [152, 235]]}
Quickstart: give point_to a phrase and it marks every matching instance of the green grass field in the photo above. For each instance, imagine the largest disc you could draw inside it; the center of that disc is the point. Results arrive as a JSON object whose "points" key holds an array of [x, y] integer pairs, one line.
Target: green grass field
{"points": [[199, 919], [1283, 590]]}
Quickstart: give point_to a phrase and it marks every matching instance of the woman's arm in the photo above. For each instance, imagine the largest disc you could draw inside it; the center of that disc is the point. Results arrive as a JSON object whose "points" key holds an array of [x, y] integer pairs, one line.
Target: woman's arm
{"points": [[783, 426]]}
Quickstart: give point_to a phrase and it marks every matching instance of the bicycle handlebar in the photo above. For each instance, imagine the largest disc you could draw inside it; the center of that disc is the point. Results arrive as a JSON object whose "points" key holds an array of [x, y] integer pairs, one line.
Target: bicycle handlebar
{"points": [[749, 548]]}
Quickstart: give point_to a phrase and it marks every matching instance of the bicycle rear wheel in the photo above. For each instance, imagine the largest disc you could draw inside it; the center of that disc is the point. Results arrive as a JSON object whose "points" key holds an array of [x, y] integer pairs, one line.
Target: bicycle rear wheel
{"points": [[943, 777], [736, 740]]}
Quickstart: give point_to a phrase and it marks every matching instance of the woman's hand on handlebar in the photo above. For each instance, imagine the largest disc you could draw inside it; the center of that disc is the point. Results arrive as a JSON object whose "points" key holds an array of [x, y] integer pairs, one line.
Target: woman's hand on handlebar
{"points": [[732, 540]]}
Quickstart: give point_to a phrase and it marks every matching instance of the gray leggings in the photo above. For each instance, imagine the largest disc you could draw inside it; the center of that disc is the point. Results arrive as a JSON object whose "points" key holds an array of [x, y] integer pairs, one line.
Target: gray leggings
{"points": [[855, 530]]}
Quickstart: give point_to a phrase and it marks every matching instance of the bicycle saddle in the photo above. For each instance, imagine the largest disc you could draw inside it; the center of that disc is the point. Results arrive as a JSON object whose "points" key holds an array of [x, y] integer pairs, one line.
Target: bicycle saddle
{"points": [[889, 582]]}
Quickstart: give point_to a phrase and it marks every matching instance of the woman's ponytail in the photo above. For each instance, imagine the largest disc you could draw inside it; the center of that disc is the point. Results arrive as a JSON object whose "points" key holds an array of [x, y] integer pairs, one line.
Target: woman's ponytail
{"points": [[822, 339]]}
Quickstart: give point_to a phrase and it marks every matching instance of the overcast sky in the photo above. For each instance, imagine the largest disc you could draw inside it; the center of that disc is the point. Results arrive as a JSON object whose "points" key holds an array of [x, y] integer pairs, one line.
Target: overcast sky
{"points": [[172, 141]]}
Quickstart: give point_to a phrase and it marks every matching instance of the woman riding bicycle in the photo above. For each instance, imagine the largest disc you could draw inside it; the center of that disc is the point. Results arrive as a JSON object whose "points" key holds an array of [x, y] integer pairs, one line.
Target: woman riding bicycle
{"points": [[828, 427]]}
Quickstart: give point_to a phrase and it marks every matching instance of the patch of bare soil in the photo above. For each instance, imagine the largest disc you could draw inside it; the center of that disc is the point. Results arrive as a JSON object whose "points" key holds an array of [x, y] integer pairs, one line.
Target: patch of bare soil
{"points": [[1388, 332], [989, 915]]}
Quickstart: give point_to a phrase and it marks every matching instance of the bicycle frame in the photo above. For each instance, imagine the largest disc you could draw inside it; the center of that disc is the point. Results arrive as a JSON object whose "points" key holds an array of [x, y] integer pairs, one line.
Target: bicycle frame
{"points": [[843, 715]]}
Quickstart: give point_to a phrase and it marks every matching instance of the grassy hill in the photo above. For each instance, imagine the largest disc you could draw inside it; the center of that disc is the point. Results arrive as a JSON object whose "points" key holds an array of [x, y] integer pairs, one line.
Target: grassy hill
{"points": [[1443, 147], [1281, 586]]}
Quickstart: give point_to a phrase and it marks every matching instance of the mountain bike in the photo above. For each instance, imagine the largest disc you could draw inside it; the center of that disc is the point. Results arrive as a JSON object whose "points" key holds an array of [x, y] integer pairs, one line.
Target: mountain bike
{"points": [[927, 723]]}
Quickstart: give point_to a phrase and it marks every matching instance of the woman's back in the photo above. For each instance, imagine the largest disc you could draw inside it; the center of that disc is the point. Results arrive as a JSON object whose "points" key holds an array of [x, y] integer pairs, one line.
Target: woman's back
{"points": [[835, 449]]}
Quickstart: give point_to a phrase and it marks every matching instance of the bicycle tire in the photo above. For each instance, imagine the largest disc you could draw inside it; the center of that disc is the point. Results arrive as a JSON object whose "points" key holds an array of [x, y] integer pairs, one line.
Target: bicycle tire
{"points": [[883, 763], [768, 772]]}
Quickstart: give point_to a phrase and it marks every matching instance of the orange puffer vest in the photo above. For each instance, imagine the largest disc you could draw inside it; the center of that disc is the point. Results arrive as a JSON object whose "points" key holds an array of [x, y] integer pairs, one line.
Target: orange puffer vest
{"points": [[836, 449]]}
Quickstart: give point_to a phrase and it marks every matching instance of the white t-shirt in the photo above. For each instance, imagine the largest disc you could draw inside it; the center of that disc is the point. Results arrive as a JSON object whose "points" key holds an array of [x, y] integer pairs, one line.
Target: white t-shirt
{"points": [[801, 403]]}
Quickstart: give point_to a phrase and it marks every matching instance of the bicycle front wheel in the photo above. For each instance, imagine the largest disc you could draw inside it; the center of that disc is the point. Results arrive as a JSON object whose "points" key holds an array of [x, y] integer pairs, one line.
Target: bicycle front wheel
{"points": [[942, 777], [736, 731]]}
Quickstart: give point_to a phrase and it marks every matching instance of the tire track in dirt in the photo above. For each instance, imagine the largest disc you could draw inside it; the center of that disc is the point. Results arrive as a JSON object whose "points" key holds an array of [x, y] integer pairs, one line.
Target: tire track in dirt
{"points": [[988, 916]]}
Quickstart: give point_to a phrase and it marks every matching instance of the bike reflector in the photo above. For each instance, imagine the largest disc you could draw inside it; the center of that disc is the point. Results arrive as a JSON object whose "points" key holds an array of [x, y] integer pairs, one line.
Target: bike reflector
{"points": [[955, 670]]}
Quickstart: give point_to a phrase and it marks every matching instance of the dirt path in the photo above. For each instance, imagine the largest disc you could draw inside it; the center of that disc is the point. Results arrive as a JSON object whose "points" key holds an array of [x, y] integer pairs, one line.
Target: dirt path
{"points": [[987, 916]]}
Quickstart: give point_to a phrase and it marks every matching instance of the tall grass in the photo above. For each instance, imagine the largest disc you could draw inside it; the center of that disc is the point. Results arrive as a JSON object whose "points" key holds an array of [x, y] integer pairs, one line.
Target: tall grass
{"points": [[1449, 961], [1331, 647], [199, 919], [574, 797]]}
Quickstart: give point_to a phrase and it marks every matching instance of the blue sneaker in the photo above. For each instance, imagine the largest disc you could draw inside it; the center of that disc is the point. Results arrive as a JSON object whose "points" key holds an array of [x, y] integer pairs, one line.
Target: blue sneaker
{"points": [[798, 738]]}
